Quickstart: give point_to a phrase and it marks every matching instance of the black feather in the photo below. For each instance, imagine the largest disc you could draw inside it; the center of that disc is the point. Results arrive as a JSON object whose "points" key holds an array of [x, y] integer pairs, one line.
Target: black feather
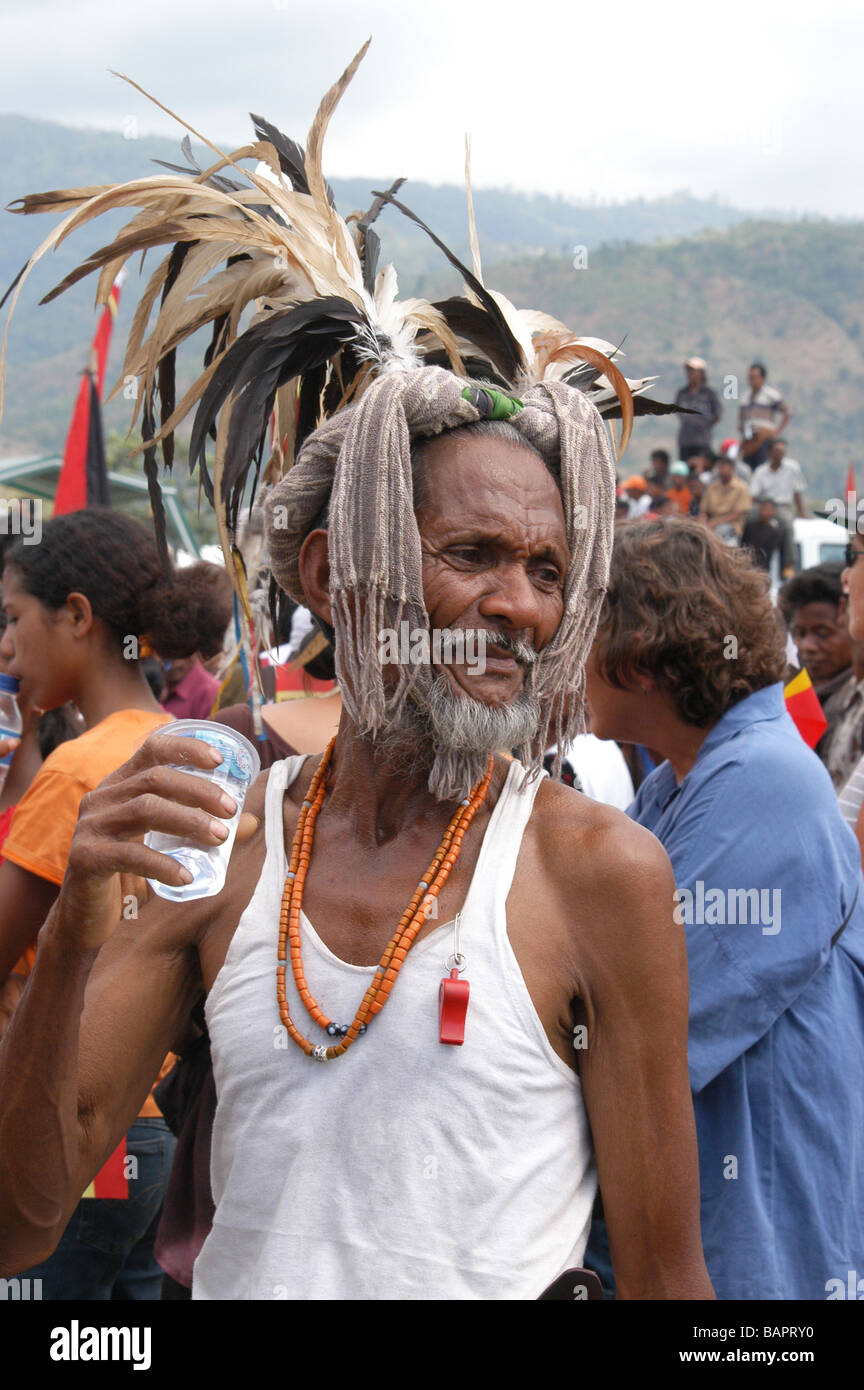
{"points": [[309, 404], [166, 370], [193, 169], [14, 283], [290, 343], [215, 180], [379, 203], [369, 258], [476, 368], [151, 471], [643, 405], [466, 320], [292, 159], [509, 351], [369, 240]]}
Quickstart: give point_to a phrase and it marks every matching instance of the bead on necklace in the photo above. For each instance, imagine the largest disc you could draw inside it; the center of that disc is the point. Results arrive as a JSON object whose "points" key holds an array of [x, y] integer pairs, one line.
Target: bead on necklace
{"points": [[412, 919]]}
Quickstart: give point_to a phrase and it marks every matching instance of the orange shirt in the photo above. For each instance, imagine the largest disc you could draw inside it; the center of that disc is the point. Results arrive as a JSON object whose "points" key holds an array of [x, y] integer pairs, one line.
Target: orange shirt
{"points": [[682, 497], [45, 818]]}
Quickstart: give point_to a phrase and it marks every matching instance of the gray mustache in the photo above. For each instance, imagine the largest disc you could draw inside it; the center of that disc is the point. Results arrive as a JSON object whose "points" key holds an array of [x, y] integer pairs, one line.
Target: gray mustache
{"points": [[524, 653]]}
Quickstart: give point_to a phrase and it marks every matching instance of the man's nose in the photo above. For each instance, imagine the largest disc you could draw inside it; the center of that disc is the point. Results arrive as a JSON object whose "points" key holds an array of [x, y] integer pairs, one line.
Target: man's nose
{"points": [[513, 598], [806, 644]]}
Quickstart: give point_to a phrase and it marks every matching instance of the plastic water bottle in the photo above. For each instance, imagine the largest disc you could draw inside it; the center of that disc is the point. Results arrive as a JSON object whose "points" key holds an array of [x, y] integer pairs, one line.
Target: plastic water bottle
{"points": [[10, 719]]}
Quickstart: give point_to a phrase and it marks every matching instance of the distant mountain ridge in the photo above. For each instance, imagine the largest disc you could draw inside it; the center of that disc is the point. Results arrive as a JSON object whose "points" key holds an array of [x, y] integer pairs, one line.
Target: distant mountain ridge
{"points": [[672, 276]]}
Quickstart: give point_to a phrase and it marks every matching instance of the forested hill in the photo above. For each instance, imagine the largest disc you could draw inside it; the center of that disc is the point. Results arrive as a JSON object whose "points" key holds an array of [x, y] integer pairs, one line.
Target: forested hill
{"points": [[791, 295], [673, 276]]}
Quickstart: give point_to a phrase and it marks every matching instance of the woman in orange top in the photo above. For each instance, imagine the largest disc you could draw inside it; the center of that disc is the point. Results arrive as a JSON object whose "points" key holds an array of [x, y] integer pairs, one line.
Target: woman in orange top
{"points": [[82, 606]]}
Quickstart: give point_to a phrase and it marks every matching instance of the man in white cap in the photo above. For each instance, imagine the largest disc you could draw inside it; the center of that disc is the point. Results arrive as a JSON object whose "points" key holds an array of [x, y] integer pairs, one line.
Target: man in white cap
{"points": [[695, 430]]}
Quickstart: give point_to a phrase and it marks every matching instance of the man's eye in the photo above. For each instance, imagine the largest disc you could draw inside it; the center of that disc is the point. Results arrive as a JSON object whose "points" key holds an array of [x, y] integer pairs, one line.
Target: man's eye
{"points": [[471, 554], [548, 574]]}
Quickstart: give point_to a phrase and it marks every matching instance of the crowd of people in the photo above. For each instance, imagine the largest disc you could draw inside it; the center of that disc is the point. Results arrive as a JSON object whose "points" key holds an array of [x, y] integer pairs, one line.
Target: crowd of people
{"points": [[749, 491]]}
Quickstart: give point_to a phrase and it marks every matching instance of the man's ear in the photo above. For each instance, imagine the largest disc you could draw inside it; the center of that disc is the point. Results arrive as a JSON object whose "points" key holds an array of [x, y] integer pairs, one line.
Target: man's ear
{"points": [[314, 567], [80, 614]]}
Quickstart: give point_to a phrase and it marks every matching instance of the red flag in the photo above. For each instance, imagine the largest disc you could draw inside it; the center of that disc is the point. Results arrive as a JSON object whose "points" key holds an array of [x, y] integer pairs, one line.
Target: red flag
{"points": [[111, 1180], [83, 480], [803, 705]]}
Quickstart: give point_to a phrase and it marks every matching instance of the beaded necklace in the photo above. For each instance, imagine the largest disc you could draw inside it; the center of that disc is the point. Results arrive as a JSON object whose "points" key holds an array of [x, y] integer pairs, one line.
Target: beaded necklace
{"points": [[415, 914]]}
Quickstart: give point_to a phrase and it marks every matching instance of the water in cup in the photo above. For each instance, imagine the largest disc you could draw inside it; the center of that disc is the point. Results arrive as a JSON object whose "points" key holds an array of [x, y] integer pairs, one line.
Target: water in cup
{"points": [[235, 774]]}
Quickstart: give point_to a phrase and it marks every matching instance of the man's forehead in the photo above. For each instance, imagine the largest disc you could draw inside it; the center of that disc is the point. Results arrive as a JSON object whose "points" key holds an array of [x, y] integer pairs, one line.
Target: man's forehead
{"points": [[464, 474], [820, 611]]}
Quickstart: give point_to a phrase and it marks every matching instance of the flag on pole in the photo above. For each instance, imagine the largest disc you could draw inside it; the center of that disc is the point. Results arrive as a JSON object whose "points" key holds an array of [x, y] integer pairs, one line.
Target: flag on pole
{"points": [[83, 480]]}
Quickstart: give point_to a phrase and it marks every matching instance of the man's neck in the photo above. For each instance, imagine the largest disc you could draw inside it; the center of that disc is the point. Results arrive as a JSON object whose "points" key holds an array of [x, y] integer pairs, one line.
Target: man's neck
{"points": [[379, 792]]}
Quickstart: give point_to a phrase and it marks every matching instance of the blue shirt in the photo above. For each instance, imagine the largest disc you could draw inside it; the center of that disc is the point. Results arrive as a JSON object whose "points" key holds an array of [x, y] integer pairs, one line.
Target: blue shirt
{"points": [[767, 872]]}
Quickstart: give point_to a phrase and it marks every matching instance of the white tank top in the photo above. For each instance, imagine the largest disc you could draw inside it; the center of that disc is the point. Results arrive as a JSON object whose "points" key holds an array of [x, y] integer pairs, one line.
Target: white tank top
{"points": [[408, 1168]]}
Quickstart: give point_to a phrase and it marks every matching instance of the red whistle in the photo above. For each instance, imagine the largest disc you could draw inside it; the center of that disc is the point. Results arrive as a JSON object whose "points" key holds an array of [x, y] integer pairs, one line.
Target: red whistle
{"points": [[452, 1008]]}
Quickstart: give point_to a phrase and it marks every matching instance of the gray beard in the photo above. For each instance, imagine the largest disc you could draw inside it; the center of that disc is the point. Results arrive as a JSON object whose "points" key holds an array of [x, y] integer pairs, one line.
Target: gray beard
{"points": [[456, 734]]}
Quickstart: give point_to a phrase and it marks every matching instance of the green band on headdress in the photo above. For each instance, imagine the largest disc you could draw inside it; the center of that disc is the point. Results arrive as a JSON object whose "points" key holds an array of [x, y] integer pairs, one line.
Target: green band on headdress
{"points": [[492, 404]]}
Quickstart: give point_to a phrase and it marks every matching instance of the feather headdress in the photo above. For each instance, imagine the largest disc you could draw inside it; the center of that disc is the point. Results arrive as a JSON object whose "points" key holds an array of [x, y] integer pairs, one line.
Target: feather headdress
{"points": [[335, 357], [520, 348], [269, 237]]}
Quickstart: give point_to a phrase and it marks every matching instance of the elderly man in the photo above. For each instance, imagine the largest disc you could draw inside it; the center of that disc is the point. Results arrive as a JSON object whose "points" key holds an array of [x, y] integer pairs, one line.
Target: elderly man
{"points": [[406, 1166]]}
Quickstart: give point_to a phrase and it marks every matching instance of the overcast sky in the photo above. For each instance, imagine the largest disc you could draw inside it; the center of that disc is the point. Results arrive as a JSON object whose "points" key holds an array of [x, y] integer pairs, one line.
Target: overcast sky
{"points": [[758, 102]]}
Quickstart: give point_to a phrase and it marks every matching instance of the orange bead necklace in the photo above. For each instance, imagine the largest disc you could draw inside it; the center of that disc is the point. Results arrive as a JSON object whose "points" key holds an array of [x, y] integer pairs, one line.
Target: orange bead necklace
{"points": [[412, 919]]}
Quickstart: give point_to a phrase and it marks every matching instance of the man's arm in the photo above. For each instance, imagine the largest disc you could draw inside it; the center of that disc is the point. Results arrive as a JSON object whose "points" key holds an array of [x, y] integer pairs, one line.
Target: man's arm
{"points": [[25, 901], [724, 518], [633, 987], [104, 1001]]}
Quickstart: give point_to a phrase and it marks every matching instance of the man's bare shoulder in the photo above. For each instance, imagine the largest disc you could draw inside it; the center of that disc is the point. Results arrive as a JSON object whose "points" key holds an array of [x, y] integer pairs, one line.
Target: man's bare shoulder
{"points": [[595, 856], [568, 819]]}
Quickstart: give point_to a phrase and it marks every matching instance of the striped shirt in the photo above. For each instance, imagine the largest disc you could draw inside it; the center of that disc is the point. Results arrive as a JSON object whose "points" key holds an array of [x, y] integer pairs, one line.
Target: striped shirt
{"points": [[851, 798]]}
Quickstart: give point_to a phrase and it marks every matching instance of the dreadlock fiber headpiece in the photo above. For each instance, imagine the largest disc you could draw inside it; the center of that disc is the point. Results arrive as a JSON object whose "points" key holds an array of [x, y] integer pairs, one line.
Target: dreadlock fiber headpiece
{"points": [[358, 466]]}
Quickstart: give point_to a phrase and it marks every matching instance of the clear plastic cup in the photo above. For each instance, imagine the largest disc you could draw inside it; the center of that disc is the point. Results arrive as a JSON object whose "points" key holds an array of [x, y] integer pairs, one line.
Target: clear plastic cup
{"points": [[237, 771]]}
